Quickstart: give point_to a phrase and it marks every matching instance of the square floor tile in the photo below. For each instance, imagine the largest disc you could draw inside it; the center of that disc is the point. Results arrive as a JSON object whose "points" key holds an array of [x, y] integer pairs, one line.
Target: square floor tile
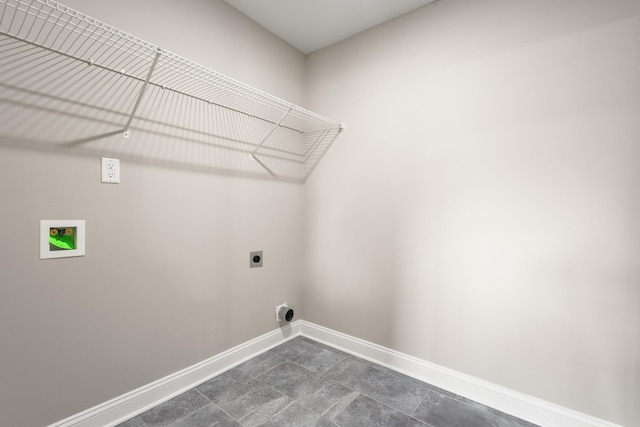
{"points": [[366, 412]]}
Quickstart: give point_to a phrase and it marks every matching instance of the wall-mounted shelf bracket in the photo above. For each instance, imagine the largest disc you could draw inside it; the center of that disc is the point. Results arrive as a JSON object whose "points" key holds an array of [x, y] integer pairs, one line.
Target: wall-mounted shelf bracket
{"points": [[142, 91], [273, 129]]}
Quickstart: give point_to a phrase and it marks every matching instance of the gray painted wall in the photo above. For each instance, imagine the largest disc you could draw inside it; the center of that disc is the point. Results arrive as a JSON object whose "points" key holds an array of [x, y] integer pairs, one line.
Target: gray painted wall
{"points": [[481, 209], [479, 212], [165, 282]]}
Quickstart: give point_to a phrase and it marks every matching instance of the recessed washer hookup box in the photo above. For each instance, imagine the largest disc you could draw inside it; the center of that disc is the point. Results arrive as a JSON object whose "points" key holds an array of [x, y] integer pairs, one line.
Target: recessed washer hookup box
{"points": [[61, 238]]}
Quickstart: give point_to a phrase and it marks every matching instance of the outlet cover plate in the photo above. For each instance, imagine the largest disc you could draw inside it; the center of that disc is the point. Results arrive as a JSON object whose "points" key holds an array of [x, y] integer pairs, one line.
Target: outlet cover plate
{"points": [[278, 307], [255, 259], [110, 171]]}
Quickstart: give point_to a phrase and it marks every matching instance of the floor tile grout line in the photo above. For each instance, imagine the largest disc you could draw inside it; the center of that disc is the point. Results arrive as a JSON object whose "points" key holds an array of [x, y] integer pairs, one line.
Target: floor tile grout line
{"points": [[340, 353], [391, 407], [279, 412], [396, 374], [326, 410], [201, 394], [303, 367], [460, 401], [225, 412], [268, 370], [258, 408], [214, 403], [420, 403]]}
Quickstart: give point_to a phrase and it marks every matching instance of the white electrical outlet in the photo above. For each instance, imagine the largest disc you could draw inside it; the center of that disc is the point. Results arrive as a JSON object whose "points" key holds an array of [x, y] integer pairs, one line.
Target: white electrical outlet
{"points": [[110, 170]]}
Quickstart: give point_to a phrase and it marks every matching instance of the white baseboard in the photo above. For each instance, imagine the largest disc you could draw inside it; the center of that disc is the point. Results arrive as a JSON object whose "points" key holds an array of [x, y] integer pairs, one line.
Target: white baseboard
{"points": [[128, 405], [537, 411]]}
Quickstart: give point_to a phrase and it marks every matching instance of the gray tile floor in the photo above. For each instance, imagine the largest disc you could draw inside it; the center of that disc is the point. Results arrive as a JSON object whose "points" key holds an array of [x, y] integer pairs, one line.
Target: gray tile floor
{"points": [[304, 383]]}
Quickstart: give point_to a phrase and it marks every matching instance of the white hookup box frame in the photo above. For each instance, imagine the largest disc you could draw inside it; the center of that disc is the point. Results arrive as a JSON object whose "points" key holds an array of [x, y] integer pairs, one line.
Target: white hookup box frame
{"points": [[46, 226]]}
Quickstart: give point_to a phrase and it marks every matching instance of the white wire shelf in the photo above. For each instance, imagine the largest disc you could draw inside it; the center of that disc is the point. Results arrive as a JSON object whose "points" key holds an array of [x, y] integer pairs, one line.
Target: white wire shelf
{"points": [[69, 80]]}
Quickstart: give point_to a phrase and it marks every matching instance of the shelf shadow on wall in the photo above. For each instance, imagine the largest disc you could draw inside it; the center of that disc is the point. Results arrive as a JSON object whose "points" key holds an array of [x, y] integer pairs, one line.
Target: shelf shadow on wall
{"points": [[37, 121]]}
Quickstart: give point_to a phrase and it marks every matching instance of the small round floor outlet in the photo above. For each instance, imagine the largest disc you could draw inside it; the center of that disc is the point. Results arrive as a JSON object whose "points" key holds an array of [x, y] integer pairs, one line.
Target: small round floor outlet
{"points": [[284, 313]]}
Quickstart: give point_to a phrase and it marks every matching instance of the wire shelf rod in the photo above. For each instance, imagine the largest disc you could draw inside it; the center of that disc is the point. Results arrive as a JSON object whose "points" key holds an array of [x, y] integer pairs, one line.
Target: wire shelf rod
{"points": [[22, 23], [71, 30], [141, 46], [42, 28], [78, 15]]}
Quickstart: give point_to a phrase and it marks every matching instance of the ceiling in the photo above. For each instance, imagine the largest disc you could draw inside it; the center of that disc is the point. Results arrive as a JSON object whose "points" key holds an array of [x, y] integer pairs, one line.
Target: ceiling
{"points": [[310, 25]]}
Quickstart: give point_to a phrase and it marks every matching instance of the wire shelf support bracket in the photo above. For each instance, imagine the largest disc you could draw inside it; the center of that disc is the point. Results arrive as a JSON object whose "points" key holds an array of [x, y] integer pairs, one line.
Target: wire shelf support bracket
{"points": [[142, 90]]}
